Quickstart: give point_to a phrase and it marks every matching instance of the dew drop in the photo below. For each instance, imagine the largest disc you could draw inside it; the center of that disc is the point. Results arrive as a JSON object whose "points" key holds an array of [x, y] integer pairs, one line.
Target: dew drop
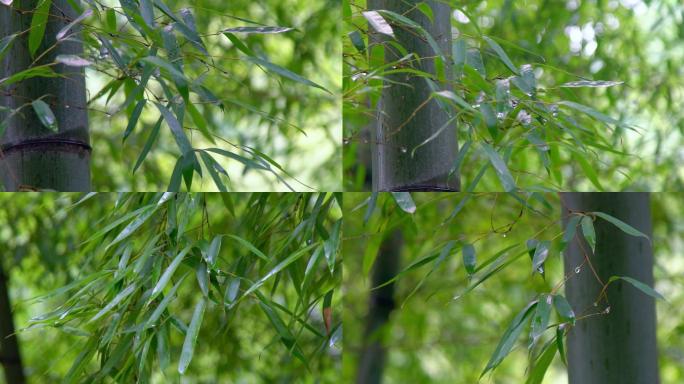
{"points": [[309, 242], [403, 150], [595, 304], [578, 269], [607, 310], [345, 141], [457, 297], [504, 235]]}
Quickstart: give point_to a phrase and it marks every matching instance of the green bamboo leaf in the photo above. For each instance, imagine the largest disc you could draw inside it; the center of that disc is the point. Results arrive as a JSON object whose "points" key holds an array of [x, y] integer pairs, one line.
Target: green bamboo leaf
{"points": [[38, 24], [563, 308], [594, 113], [214, 249], [592, 84], [284, 72], [203, 278], [541, 252], [249, 246], [213, 166], [133, 119], [570, 229], [332, 244], [624, 227], [164, 303], [45, 115], [168, 273], [509, 338], [259, 30], [39, 71], [147, 13], [286, 336], [6, 43], [500, 167], [117, 299], [469, 258], [134, 225], [148, 143], [282, 265], [378, 23], [404, 201], [560, 334], [357, 41], [191, 337], [541, 365], [588, 169], [176, 129], [62, 32], [639, 285], [502, 54], [541, 317], [588, 232]]}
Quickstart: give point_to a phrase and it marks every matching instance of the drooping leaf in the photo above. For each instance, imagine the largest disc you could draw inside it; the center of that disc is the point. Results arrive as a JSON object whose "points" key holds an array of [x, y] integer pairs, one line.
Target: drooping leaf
{"points": [[259, 30], [284, 72], [563, 308], [214, 249], [541, 252], [73, 60], [45, 115], [176, 129], [502, 54], [509, 337], [588, 232], [38, 24], [541, 317], [116, 300], [62, 32], [469, 258], [500, 167], [639, 285], [332, 244], [6, 43], [250, 247], [133, 119], [624, 227], [378, 23], [191, 336], [541, 365], [169, 272], [164, 303], [404, 201], [589, 83], [148, 143]]}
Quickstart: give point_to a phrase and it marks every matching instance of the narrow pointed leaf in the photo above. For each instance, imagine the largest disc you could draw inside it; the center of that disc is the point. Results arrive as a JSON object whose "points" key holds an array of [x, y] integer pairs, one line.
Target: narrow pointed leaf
{"points": [[168, 273], [500, 167], [588, 232], [249, 246], [469, 258], [502, 54], [284, 72], [259, 30], [45, 115], [191, 337], [639, 285], [38, 24], [404, 201], [117, 299], [624, 227]]}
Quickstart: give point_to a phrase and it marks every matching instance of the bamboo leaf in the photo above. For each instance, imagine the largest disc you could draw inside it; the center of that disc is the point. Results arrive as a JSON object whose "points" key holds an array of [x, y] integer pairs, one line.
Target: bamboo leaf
{"points": [[259, 30], [38, 24], [62, 32], [249, 246], [639, 285], [500, 167], [502, 54], [404, 201], [624, 227], [588, 232], [542, 364], [563, 308], [117, 299], [469, 258], [378, 23], [284, 72], [133, 119], [509, 338], [45, 115], [332, 244], [191, 337], [168, 273]]}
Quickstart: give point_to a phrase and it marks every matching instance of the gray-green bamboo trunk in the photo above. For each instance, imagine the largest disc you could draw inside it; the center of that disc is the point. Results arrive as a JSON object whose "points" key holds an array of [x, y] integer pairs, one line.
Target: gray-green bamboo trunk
{"points": [[404, 121], [32, 156], [380, 306], [620, 346]]}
